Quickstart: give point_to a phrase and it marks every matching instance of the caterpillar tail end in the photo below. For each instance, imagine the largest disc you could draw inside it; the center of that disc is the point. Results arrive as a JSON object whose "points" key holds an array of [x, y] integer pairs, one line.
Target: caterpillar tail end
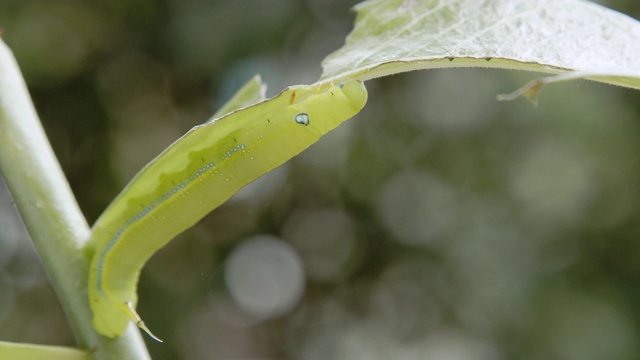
{"points": [[138, 320]]}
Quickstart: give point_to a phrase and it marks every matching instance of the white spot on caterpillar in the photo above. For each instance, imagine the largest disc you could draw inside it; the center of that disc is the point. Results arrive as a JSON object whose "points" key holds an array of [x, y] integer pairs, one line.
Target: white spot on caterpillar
{"points": [[232, 151], [302, 119]]}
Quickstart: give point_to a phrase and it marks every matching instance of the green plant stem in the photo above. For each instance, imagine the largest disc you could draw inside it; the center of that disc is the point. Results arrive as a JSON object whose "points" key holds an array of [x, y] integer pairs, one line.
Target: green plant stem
{"points": [[50, 212]]}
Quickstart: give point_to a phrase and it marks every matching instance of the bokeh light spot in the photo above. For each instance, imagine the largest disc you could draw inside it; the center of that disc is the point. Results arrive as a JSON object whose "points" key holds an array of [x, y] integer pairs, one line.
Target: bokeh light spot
{"points": [[265, 276]]}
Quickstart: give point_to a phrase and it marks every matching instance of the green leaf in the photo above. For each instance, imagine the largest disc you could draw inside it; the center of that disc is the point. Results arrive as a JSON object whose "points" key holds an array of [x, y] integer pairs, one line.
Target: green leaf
{"points": [[250, 93], [16, 351], [552, 36]]}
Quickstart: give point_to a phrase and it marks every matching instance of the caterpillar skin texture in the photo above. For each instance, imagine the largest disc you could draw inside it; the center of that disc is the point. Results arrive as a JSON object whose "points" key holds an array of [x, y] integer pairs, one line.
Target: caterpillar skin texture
{"points": [[193, 176]]}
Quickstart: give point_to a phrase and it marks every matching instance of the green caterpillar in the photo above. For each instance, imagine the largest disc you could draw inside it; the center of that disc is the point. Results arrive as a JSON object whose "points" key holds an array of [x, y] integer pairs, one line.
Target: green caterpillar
{"points": [[193, 176]]}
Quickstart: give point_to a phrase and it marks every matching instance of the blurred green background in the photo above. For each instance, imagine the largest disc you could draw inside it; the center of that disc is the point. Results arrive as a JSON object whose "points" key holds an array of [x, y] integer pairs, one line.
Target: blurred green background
{"points": [[437, 224]]}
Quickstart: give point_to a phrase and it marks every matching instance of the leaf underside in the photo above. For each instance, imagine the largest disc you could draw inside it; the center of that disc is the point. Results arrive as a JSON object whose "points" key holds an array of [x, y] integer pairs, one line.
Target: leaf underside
{"points": [[551, 36]]}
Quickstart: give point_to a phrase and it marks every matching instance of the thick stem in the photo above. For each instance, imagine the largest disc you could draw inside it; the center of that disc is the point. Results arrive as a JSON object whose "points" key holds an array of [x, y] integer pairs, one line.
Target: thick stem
{"points": [[50, 212]]}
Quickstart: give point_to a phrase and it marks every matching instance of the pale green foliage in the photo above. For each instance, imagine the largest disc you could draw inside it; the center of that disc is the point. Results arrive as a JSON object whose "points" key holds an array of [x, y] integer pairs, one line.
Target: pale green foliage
{"points": [[552, 36], [35, 352], [250, 93]]}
